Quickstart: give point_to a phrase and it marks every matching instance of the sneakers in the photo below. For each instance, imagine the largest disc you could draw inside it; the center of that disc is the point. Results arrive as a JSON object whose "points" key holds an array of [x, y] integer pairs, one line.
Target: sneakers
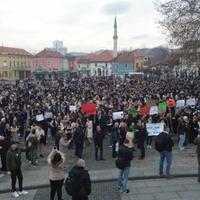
{"points": [[15, 194], [126, 191], [22, 192]]}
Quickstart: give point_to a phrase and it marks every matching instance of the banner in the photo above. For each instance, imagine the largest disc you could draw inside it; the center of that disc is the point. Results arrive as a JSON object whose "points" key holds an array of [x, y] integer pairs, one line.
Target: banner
{"points": [[162, 106], [191, 102], [180, 103], [154, 129], [72, 108], [48, 115], [153, 110], [39, 118], [89, 108], [118, 115]]}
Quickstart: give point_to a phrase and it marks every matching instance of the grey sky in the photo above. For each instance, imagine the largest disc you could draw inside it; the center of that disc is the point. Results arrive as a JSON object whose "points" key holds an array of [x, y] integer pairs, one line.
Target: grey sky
{"points": [[83, 25]]}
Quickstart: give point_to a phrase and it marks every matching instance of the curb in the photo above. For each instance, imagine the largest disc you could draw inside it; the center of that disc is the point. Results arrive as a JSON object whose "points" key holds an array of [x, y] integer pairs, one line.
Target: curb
{"points": [[108, 180]]}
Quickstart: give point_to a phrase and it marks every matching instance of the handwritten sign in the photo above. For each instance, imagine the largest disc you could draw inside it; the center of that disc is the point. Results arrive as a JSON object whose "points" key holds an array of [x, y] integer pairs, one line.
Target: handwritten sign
{"points": [[154, 129]]}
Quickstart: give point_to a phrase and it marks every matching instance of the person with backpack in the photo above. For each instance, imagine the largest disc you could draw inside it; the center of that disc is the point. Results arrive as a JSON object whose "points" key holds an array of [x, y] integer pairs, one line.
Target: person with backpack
{"points": [[78, 183], [163, 145], [13, 165], [123, 162], [56, 162]]}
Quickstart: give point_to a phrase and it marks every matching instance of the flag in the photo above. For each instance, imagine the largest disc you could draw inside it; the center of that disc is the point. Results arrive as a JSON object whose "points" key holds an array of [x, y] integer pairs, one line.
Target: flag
{"points": [[89, 108], [171, 103], [162, 105], [144, 110], [133, 112]]}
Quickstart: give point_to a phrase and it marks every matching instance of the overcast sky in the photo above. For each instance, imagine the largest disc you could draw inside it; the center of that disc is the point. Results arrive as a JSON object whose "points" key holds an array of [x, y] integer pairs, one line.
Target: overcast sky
{"points": [[83, 25]]}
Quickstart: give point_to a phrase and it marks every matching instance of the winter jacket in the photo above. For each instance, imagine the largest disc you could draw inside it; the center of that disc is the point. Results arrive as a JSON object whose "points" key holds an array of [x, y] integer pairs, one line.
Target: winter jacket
{"points": [[126, 154], [98, 138], [197, 142], [83, 187], [13, 160]]}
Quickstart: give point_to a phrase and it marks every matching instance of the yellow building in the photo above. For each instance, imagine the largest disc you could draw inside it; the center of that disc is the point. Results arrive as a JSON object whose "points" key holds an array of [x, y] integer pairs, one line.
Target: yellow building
{"points": [[15, 64]]}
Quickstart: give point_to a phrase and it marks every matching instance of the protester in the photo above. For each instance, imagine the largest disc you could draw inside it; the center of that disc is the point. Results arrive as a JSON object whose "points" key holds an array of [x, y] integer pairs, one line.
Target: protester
{"points": [[79, 182], [56, 161], [78, 140], [125, 155], [115, 139], [164, 145], [40, 134], [13, 164], [98, 143]]}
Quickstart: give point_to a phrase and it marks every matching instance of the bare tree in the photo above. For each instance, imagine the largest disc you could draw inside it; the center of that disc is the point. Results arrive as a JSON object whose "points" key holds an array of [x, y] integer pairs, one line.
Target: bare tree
{"points": [[180, 19]]}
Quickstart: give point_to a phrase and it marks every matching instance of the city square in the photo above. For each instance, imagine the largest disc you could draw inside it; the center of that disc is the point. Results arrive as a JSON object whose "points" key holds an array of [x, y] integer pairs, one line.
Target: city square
{"points": [[100, 100]]}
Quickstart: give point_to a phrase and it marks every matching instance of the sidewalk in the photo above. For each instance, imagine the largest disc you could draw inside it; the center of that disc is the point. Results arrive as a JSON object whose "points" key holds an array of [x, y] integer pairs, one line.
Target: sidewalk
{"points": [[184, 163]]}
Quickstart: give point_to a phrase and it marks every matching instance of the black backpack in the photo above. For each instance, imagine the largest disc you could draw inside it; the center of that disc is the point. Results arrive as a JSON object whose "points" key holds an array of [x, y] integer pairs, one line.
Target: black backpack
{"points": [[71, 184], [160, 142]]}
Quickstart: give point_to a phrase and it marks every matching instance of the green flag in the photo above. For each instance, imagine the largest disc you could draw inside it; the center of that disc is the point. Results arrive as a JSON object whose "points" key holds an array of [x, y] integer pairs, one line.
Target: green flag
{"points": [[162, 105], [133, 112]]}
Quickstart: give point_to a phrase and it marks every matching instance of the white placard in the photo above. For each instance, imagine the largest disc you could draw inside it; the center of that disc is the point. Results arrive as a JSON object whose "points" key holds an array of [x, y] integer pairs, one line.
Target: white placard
{"points": [[72, 108], [153, 110], [39, 118], [118, 115], [191, 102], [154, 129], [48, 115], [180, 103]]}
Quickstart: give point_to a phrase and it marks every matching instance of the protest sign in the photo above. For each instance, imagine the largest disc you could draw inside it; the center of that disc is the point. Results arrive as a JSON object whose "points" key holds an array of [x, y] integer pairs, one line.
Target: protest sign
{"points": [[180, 103], [118, 115], [72, 108], [162, 105], [144, 110], [39, 118], [154, 129], [48, 115], [191, 102], [89, 108], [153, 110]]}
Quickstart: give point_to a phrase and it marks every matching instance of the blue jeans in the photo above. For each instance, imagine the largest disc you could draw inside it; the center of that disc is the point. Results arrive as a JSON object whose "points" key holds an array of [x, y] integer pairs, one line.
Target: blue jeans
{"points": [[168, 156], [123, 178], [181, 141]]}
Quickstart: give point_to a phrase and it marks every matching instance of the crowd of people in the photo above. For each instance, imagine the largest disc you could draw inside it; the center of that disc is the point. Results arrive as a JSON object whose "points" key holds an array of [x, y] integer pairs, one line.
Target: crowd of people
{"points": [[20, 105]]}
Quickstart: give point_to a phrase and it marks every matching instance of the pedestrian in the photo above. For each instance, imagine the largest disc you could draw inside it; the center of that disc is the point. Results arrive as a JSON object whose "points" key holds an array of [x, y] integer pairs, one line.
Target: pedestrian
{"points": [[163, 145], [79, 137], [13, 164], [40, 134], [56, 162], [78, 182], [197, 142], [115, 139], [89, 130], [125, 155], [98, 143]]}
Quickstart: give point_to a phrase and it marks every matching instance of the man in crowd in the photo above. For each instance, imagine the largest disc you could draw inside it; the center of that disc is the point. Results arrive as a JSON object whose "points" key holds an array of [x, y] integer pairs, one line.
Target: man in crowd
{"points": [[13, 164], [164, 144], [197, 142]]}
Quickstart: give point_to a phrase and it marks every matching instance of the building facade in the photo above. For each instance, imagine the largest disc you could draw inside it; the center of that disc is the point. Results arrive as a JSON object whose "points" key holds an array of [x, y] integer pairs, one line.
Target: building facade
{"points": [[48, 64], [15, 64], [124, 64]]}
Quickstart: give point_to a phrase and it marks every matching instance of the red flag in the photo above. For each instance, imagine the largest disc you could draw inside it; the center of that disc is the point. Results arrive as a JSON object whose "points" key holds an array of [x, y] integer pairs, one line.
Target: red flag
{"points": [[171, 103], [144, 110], [89, 108]]}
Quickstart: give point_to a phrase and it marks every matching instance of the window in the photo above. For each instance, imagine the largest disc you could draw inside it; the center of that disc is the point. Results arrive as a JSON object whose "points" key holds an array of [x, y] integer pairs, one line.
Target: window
{"points": [[106, 64], [5, 63], [10, 64], [126, 65], [95, 64]]}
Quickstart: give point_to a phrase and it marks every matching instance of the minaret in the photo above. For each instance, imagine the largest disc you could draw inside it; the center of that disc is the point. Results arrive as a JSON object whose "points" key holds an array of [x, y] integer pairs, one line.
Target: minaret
{"points": [[115, 38]]}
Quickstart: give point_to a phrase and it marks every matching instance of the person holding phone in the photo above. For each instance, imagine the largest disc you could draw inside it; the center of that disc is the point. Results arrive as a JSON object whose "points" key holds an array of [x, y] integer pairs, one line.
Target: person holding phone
{"points": [[56, 161]]}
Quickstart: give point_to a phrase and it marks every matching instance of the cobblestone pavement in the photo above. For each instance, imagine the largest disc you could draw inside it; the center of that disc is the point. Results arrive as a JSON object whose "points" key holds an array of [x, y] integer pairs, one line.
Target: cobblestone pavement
{"points": [[162, 189], [184, 162]]}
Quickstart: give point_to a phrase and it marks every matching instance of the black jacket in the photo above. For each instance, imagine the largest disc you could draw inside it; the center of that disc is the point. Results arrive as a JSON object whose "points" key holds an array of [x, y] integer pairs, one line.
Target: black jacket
{"points": [[83, 182], [98, 138], [79, 136], [126, 154], [168, 142]]}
